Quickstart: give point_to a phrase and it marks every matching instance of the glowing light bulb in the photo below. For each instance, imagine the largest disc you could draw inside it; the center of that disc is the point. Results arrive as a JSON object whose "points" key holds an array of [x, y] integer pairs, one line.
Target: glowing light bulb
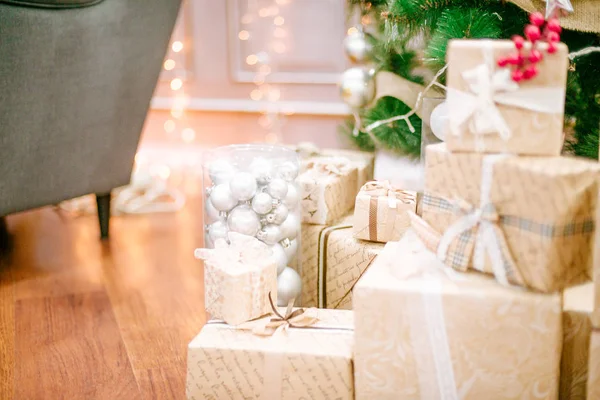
{"points": [[352, 31], [282, 2], [251, 59], [177, 113], [177, 46], [188, 135], [176, 84], [279, 47], [169, 64], [256, 95], [279, 20], [274, 95], [169, 126], [244, 35], [259, 79], [366, 20]]}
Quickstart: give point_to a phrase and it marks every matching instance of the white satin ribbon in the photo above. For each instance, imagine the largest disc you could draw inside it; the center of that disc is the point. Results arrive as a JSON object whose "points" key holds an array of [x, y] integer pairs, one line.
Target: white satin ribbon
{"points": [[489, 88]]}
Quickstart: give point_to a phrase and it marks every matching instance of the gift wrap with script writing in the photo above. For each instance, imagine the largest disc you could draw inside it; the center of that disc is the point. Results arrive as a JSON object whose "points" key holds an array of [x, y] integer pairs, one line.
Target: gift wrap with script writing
{"points": [[530, 218], [225, 362], [488, 112], [332, 262], [425, 331], [594, 366]]}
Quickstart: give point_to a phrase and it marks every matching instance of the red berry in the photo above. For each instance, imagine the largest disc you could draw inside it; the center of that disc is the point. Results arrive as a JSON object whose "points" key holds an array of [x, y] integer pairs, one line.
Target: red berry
{"points": [[514, 59], [553, 37], [519, 41], [552, 48], [537, 18], [554, 25], [530, 72], [502, 62], [535, 56], [517, 75], [533, 32]]}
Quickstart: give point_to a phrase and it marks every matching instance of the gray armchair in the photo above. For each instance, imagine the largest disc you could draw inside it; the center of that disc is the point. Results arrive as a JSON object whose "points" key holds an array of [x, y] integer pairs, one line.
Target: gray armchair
{"points": [[76, 80]]}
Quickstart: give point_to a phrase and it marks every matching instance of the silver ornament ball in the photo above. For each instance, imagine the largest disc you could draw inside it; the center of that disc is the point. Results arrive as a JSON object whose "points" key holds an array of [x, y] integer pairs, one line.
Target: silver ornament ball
{"points": [[292, 197], [243, 186], [280, 257], [221, 197], [270, 234], [358, 47], [261, 169], [217, 230], [288, 171], [211, 212], [357, 87], [277, 188], [244, 220], [290, 227], [291, 250], [438, 121], [262, 203], [221, 171], [278, 215], [289, 286]]}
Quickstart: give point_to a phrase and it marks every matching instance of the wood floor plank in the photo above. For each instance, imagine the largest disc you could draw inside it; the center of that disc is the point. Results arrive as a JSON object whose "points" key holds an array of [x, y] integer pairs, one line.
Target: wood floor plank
{"points": [[162, 383], [70, 347], [7, 336]]}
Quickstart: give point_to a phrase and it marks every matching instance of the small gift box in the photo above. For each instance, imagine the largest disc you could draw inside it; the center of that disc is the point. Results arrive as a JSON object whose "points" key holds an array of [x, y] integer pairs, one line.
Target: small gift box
{"points": [[328, 188], [593, 388], [238, 278], [332, 262], [293, 354], [489, 112], [380, 212], [577, 329], [530, 221], [425, 331]]}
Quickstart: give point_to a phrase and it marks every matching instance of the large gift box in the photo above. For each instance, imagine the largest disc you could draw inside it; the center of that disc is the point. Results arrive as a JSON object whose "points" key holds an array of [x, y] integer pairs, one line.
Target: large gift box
{"points": [[332, 262], [425, 331], [577, 329], [489, 112], [238, 278], [528, 220], [594, 366], [327, 188], [305, 361], [380, 212]]}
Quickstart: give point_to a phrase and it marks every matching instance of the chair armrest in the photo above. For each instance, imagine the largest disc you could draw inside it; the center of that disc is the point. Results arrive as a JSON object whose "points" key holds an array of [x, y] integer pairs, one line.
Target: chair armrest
{"points": [[52, 3]]}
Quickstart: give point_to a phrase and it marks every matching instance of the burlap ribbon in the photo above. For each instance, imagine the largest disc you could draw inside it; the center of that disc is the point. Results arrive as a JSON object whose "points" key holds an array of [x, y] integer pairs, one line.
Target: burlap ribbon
{"points": [[586, 17], [377, 189]]}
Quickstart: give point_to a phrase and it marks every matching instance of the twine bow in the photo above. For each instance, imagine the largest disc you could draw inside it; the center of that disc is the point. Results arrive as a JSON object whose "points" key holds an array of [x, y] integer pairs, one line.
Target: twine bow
{"points": [[384, 188]]}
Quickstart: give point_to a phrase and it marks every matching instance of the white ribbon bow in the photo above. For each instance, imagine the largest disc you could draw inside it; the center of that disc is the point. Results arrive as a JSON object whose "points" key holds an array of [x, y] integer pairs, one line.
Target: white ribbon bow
{"points": [[241, 251], [489, 88], [330, 165]]}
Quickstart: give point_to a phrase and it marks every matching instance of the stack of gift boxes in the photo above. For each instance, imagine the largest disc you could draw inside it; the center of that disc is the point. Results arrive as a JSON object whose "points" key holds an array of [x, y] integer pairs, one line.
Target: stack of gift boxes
{"points": [[484, 295]]}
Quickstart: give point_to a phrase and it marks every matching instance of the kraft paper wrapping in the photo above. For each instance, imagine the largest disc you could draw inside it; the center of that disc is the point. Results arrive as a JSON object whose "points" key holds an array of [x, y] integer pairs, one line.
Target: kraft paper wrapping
{"points": [[326, 195], [332, 263], [228, 363], [577, 328], [594, 366], [531, 132], [546, 210], [380, 213], [439, 334]]}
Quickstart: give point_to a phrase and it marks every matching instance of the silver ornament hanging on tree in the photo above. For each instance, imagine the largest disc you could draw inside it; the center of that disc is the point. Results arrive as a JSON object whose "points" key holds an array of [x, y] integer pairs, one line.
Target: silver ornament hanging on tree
{"points": [[358, 47], [357, 86]]}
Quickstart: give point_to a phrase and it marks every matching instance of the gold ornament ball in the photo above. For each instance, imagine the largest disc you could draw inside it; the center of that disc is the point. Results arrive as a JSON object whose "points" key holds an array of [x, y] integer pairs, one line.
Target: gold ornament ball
{"points": [[357, 86]]}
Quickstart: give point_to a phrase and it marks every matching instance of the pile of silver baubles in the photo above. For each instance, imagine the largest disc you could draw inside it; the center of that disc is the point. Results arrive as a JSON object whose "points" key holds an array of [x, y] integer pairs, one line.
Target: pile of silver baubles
{"points": [[260, 200]]}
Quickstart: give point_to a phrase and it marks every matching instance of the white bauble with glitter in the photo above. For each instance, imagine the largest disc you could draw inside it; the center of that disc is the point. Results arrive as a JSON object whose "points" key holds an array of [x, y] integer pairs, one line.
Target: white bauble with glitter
{"points": [[262, 203], [218, 230], [244, 220], [289, 286], [280, 256], [290, 227], [292, 197], [211, 212], [291, 250], [278, 215], [288, 171], [270, 234], [261, 169], [277, 188], [439, 121], [243, 186], [221, 197], [221, 171]]}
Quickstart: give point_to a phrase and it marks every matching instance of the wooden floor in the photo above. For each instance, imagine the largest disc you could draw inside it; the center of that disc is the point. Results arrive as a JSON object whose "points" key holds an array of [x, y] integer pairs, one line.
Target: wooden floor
{"points": [[81, 319]]}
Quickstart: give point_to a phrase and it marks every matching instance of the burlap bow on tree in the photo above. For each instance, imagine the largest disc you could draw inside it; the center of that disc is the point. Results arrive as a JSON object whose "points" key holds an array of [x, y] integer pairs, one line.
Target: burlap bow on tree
{"points": [[586, 17]]}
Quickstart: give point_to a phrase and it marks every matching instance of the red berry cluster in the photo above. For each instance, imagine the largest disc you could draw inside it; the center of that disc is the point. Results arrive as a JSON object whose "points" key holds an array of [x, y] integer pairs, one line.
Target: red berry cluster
{"points": [[538, 31]]}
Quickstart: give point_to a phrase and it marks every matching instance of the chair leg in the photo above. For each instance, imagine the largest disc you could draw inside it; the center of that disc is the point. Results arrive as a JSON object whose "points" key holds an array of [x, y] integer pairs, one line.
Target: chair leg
{"points": [[4, 235], [103, 203]]}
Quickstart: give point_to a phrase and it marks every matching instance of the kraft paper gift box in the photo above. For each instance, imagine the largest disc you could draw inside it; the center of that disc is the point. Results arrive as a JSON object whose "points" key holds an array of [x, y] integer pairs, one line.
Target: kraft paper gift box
{"points": [[311, 362], [593, 389], [238, 278], [380, 212], [577, 329], [528, 220], [327, 189], [332, 262], [489, 112], [425, 331]]}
